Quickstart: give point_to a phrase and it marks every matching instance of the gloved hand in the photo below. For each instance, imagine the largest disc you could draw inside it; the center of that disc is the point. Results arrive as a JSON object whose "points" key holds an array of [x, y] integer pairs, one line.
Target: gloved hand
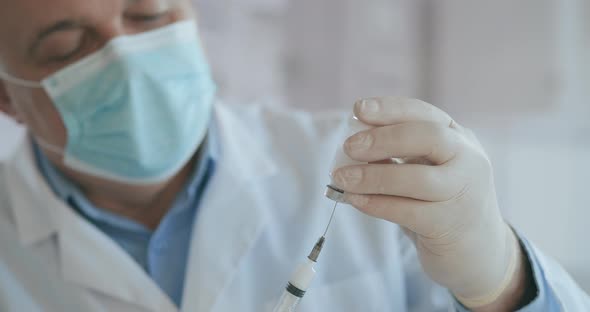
{"points": [[443, 194]]}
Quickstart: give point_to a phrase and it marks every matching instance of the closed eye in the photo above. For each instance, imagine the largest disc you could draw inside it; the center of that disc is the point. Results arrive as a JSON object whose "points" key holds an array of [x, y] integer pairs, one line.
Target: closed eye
{"points": [[146, 18]]}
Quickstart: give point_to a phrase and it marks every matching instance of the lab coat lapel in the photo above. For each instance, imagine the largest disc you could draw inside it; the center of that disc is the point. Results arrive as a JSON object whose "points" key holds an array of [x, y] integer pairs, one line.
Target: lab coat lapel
{"points": [[92, 260], [27, 193], [231, 215], [86, 256]]}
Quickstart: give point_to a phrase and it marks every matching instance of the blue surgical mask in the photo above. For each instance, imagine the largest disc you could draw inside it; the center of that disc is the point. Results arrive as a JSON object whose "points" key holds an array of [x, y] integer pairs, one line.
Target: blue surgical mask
{"points": [[137, 110]]}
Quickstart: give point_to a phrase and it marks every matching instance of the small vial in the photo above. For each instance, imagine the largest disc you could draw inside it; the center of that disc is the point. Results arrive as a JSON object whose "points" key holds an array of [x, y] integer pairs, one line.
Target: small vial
{"points": [[342, 160]]}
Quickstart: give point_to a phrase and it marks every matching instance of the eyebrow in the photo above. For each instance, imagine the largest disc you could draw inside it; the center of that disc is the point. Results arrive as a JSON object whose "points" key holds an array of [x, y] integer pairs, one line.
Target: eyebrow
{"points": [[47, 31]]}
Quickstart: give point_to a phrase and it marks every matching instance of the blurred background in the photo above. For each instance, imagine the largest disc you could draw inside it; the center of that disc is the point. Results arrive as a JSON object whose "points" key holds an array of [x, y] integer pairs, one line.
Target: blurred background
{"points": [[516, 72]]}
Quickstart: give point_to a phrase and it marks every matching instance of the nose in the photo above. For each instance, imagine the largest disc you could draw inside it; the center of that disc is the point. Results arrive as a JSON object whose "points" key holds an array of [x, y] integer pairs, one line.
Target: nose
{"points": [[117, 28], [109, 31]]}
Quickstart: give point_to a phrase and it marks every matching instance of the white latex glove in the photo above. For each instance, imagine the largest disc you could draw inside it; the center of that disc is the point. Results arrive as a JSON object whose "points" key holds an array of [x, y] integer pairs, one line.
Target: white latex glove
{"points": [[443, 195]]}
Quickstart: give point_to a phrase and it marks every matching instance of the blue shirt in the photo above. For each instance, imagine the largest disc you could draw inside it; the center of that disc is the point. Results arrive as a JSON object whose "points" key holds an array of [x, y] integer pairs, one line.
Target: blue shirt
{"points": [[161, 253]]}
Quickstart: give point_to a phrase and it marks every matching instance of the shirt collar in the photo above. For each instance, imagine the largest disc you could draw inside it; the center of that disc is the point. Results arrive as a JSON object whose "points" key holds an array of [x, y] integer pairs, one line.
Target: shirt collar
{"points": [[67, 191]]}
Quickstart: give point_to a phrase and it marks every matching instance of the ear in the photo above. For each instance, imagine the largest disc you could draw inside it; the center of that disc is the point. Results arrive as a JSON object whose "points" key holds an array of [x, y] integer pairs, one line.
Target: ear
{"points": [[6, 104]]}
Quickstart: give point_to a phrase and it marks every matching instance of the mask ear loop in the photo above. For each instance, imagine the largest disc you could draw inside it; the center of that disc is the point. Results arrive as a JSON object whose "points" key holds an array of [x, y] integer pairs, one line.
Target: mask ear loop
{"points": [[48, 146], [32, 84], [20, 82]]}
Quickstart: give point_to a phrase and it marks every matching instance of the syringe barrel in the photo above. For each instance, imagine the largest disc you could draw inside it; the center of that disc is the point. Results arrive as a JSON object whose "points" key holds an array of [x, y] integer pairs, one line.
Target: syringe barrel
{"points": [[287, 303]]}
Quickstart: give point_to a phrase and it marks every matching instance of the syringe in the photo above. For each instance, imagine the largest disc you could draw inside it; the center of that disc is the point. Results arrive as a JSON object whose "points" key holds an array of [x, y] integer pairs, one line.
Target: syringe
{"points": [[303, 275]]}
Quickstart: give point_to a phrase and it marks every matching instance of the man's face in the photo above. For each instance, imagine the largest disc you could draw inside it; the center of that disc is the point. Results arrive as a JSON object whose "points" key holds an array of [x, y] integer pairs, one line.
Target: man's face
{"points": [[40, 37]]}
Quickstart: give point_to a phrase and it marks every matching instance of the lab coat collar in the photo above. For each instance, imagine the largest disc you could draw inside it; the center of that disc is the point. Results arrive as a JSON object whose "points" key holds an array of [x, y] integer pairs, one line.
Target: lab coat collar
{"points": [[87, 257], [28, 192], [233, 211], [91, 259]]}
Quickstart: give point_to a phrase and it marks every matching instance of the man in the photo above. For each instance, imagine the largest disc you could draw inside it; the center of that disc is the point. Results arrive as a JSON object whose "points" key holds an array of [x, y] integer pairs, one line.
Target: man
{"points": [[133, 192]]}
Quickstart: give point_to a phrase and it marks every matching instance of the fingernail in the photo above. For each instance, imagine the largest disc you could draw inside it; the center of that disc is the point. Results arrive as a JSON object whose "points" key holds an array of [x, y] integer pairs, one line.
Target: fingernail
{"points": [[359, 142], [356, 200], [348, 176], [370, 106]]}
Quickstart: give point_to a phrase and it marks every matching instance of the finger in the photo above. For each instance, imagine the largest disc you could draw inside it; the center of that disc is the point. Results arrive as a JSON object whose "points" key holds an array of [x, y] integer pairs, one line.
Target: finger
{"points": [[427, 183], [405, 212], [428, 140], [383, 111]]}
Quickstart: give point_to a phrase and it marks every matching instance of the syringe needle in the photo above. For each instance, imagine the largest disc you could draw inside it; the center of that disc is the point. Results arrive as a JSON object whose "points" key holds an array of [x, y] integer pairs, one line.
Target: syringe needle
{"points": [[317, 248], [331, 217]]}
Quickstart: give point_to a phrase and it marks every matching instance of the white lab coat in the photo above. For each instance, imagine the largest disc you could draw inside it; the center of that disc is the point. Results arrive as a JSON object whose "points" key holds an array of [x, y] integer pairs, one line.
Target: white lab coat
{"points": [[258, 219]]}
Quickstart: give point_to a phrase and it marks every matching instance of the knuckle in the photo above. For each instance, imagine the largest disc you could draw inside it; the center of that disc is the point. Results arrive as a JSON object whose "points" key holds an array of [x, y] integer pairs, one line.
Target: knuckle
{"points": [[437, 131], [442, 138], [431, 181], [366, 176], [370, 207], [384, 181], [405, 132]]}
